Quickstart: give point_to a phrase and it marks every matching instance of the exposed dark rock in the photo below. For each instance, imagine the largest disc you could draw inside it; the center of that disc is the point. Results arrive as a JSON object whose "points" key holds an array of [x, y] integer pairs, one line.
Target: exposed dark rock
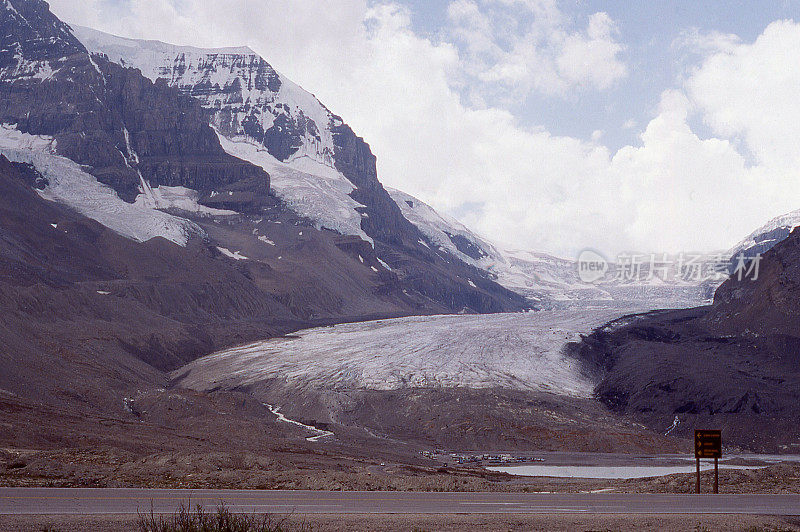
{"points": [[355, 161], [25, 172], [89, 112], [282, 140], [466, 246], [767, 305]]}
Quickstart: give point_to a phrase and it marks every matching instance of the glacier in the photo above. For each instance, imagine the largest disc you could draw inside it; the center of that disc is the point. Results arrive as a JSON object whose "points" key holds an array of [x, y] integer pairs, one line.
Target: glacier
{"points": [[521, 351]]}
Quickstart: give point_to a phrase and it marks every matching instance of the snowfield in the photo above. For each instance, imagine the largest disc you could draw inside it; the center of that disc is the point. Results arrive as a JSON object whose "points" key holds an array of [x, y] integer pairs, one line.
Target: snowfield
{"points": [[71, 186], [311, 189], [518, 351]]}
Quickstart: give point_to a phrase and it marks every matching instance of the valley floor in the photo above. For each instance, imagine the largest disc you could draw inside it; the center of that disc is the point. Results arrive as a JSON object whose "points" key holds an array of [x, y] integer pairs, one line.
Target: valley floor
{"points": [[225, 436]]}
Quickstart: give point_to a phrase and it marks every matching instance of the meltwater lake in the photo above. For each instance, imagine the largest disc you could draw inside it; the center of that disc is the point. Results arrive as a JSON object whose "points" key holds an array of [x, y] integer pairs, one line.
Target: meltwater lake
{"points": [[614, 466]]}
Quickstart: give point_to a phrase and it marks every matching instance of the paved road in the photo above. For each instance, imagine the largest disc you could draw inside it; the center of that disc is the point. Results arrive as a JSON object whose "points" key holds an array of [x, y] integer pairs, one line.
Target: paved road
{"points": [[130, 501]]}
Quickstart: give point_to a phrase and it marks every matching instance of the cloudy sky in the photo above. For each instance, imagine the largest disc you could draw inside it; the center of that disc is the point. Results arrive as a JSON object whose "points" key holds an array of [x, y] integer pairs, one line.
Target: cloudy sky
{"points": [[553, 126]]}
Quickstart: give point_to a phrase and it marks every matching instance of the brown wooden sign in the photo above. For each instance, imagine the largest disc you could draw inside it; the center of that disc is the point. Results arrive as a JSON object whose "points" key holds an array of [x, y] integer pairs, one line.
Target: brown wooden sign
{"points": [[707, 444]]}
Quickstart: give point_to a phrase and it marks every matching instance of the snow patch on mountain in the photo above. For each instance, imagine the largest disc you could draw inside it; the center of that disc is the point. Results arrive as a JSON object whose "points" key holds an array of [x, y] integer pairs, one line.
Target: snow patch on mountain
{"points": [[41, 70], [71, 186], [235, 255], [311, 189], [177, 198]]}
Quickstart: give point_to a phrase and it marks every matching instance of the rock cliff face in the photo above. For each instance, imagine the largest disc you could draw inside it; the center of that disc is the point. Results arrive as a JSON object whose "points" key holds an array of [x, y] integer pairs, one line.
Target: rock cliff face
{"points": [[126, 129], [248, 99], [384, 220]]}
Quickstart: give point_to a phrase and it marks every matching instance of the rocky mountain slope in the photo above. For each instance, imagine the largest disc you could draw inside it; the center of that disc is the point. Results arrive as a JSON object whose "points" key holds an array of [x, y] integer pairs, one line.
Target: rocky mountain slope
{"points": [[75, 116], [132, 241], [731, 365]]}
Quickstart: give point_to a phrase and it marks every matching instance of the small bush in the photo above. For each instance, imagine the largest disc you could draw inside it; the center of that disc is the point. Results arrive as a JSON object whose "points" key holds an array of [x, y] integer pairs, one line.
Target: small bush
{"points": [[19, 463], [220, 520]]}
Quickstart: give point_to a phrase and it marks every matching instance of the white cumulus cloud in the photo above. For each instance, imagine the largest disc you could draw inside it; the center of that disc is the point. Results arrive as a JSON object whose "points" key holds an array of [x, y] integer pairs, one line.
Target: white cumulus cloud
{"points": [[519, 47], [751, 91]]}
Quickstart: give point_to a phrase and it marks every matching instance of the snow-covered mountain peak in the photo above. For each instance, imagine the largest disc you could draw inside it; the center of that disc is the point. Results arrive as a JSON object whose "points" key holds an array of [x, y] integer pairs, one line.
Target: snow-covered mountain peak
{"points": [[248, 97], [765, 237], [260, 116], [121, 49], [319, 166], [33, 43]]}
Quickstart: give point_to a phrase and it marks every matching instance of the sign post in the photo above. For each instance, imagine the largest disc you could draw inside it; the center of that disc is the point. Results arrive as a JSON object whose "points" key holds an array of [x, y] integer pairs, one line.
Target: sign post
{"points": [[697, 485], [708, 444]]}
